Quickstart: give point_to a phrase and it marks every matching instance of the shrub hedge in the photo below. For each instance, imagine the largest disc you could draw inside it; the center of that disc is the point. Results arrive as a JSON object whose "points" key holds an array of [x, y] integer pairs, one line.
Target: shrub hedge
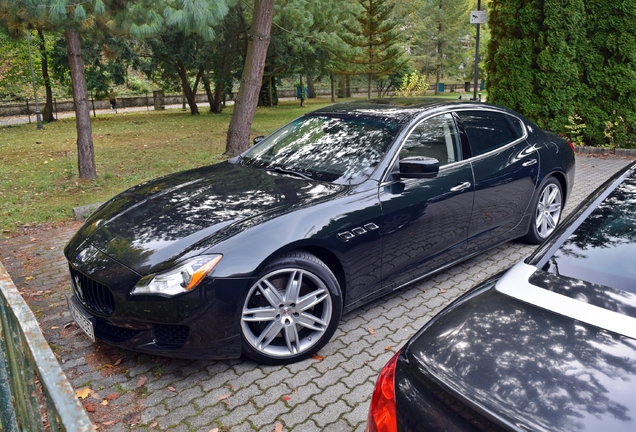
{"points": [[568, 65]]}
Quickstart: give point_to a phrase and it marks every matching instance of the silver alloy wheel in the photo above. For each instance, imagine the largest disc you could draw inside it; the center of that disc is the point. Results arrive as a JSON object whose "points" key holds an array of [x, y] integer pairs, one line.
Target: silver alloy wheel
{"points": [[286, 312], [548, 210]]}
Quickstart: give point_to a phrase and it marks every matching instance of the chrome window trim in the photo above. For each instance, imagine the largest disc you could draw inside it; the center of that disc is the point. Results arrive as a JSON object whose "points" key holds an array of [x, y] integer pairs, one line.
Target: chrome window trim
{"points": [[515, 284]]}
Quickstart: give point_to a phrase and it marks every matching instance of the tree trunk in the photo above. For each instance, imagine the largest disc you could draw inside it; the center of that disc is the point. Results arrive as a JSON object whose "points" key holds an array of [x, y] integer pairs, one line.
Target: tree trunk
{"points": [[238, 134], [214, 99], [218, 97], [438, 67], [85, 153], [302, 93], [47, 112], [348, 81], [189, 93], [333, 88], [342, 86], [270, 89], [310, 87]]}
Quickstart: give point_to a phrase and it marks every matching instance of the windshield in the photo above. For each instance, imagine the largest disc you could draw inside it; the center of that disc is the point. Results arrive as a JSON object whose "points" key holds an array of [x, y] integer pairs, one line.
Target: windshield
{"points": [[324, 148]]}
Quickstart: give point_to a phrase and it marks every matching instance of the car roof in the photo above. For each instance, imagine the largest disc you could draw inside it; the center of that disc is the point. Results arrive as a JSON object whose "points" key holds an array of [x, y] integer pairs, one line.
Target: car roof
{"points": [[397, 109]]}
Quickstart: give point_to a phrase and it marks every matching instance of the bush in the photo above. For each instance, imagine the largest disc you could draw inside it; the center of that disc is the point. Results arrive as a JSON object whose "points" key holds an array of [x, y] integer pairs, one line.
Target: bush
{"points": [[553, 60]]}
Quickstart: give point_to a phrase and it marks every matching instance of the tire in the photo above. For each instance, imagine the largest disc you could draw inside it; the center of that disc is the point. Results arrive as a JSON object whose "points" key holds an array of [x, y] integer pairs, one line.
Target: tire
{"points": [[546, 211], [282, 322]]}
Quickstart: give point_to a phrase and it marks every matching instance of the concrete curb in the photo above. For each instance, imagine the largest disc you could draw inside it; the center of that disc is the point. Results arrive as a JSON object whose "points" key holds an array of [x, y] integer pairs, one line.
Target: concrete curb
{"points": [[601, 151], [82, 212]]}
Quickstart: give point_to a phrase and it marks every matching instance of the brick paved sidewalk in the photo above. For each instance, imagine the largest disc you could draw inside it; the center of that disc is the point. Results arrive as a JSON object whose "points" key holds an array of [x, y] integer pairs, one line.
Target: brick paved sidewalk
{"points": [[155, 393]]}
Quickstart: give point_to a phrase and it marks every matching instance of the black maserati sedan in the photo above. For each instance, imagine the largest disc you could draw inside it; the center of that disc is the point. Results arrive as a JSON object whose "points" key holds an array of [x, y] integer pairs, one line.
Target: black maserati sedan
{"points": [[262, 254], [548, 345]]}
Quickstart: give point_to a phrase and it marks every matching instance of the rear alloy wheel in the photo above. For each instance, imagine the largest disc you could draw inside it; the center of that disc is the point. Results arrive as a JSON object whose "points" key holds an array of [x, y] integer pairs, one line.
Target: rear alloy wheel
{"points": [[291, 311], [547, 211]]}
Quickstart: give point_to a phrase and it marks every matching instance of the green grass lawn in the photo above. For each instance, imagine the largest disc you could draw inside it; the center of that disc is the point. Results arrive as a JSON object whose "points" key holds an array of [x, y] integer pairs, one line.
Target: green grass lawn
{"points": [[39, 182]]}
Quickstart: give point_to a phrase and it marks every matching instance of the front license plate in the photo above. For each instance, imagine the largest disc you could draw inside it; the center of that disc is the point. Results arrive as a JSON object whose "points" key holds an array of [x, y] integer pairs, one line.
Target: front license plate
{"points": [[82, 319]]}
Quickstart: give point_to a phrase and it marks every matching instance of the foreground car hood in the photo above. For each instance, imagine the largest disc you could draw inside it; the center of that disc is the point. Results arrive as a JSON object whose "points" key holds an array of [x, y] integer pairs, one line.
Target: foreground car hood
{"points": [[528, 367], [149, 226]]}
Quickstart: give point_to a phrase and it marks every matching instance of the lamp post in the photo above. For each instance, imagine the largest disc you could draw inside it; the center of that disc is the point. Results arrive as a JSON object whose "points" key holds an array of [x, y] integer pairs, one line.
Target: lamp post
{"points": [[477, 17], [38, 115]]}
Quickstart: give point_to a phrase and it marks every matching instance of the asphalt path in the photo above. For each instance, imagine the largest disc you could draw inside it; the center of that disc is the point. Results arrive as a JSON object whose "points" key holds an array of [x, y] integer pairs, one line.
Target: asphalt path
{"points": [[331, 392]]}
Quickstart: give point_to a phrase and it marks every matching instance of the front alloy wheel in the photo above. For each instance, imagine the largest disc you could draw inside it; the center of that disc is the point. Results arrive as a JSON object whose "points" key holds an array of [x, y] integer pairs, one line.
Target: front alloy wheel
{"points": [[291, 311]]}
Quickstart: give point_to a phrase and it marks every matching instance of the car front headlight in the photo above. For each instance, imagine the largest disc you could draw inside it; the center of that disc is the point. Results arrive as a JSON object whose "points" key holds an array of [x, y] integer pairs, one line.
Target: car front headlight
{"points": [[178, 279]]}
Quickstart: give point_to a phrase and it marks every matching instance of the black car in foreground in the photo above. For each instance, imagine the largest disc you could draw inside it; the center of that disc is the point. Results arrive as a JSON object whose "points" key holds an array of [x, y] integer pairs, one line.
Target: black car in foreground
{"points": [[261, 255], [549, 345]]}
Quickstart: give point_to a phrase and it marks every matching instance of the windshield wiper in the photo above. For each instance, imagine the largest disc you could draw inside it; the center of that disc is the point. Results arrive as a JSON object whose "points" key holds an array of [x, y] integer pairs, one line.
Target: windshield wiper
{"points": [[287, 171]]}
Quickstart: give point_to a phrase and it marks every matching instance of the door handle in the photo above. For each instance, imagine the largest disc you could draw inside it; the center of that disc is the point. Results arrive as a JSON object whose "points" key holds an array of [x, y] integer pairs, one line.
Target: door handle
{"points": [[460, 187], [529, 163]]}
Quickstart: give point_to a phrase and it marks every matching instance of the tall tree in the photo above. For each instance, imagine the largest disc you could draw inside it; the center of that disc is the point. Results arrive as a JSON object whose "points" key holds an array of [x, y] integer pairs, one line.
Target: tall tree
{"points": [[47, 111], [444, 30], [14, 22], [135, 18], [184, 59], [376, 44], [238, 134]]}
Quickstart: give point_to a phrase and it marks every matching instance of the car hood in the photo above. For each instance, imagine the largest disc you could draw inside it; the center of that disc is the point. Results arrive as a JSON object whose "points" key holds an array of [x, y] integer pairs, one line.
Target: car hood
{"points": [[528, 367], [151, 225]]}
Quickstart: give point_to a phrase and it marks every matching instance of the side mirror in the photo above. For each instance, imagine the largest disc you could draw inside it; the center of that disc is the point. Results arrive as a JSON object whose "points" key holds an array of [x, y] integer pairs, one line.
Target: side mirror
{"points": [[418, 167], [258, 139]]}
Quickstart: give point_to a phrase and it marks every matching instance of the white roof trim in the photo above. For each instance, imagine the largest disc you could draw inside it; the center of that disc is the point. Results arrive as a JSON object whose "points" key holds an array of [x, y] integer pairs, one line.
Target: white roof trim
{"points": [[514, 283]]}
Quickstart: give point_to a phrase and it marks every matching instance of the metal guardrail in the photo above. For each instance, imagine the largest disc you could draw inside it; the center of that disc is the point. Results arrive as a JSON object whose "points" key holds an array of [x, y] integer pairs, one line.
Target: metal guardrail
{"points": [[35, 395]]}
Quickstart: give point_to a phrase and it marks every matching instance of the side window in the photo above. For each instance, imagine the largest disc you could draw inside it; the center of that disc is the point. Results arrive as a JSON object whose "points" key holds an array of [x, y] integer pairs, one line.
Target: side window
{"points": [[488, 130], [435, 137]]}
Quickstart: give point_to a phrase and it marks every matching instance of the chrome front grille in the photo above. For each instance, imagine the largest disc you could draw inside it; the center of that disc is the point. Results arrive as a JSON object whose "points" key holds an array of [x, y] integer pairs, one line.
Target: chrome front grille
{"points": [[94, 295]]}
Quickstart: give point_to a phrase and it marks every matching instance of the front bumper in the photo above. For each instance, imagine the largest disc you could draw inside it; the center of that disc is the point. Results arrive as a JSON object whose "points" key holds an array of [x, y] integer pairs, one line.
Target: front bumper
{"points": [[201, 324]]}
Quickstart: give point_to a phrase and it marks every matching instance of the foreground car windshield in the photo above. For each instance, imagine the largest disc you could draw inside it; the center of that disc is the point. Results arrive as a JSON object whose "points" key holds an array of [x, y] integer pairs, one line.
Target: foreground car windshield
{"points": [[325, 148]]}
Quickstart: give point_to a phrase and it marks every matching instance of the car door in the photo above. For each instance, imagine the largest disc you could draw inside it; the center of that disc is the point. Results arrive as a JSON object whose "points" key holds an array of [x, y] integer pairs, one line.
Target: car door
{"points": [[506, 168], [425, 221]]}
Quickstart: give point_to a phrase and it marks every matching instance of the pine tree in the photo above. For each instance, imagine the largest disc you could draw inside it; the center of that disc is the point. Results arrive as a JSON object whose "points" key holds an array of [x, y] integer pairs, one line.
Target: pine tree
{"points": [[375, 45], [444, 25]]}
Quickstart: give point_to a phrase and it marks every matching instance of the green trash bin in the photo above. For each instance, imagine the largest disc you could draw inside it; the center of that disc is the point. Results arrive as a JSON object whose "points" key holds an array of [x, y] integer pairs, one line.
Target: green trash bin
{"points": [[440, 87]]}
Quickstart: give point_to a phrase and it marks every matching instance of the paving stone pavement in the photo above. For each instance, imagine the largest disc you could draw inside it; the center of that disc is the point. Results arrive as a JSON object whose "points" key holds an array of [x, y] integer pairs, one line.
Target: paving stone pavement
{"points": [[139, 391]]}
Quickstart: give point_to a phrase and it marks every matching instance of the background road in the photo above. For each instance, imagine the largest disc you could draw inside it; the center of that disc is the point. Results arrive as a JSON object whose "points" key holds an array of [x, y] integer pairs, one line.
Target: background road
{"points": [[331, 392]]}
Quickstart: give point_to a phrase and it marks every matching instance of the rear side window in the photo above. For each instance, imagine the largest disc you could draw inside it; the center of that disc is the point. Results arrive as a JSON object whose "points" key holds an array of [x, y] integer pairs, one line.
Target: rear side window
{"points": [[489, 130]]}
